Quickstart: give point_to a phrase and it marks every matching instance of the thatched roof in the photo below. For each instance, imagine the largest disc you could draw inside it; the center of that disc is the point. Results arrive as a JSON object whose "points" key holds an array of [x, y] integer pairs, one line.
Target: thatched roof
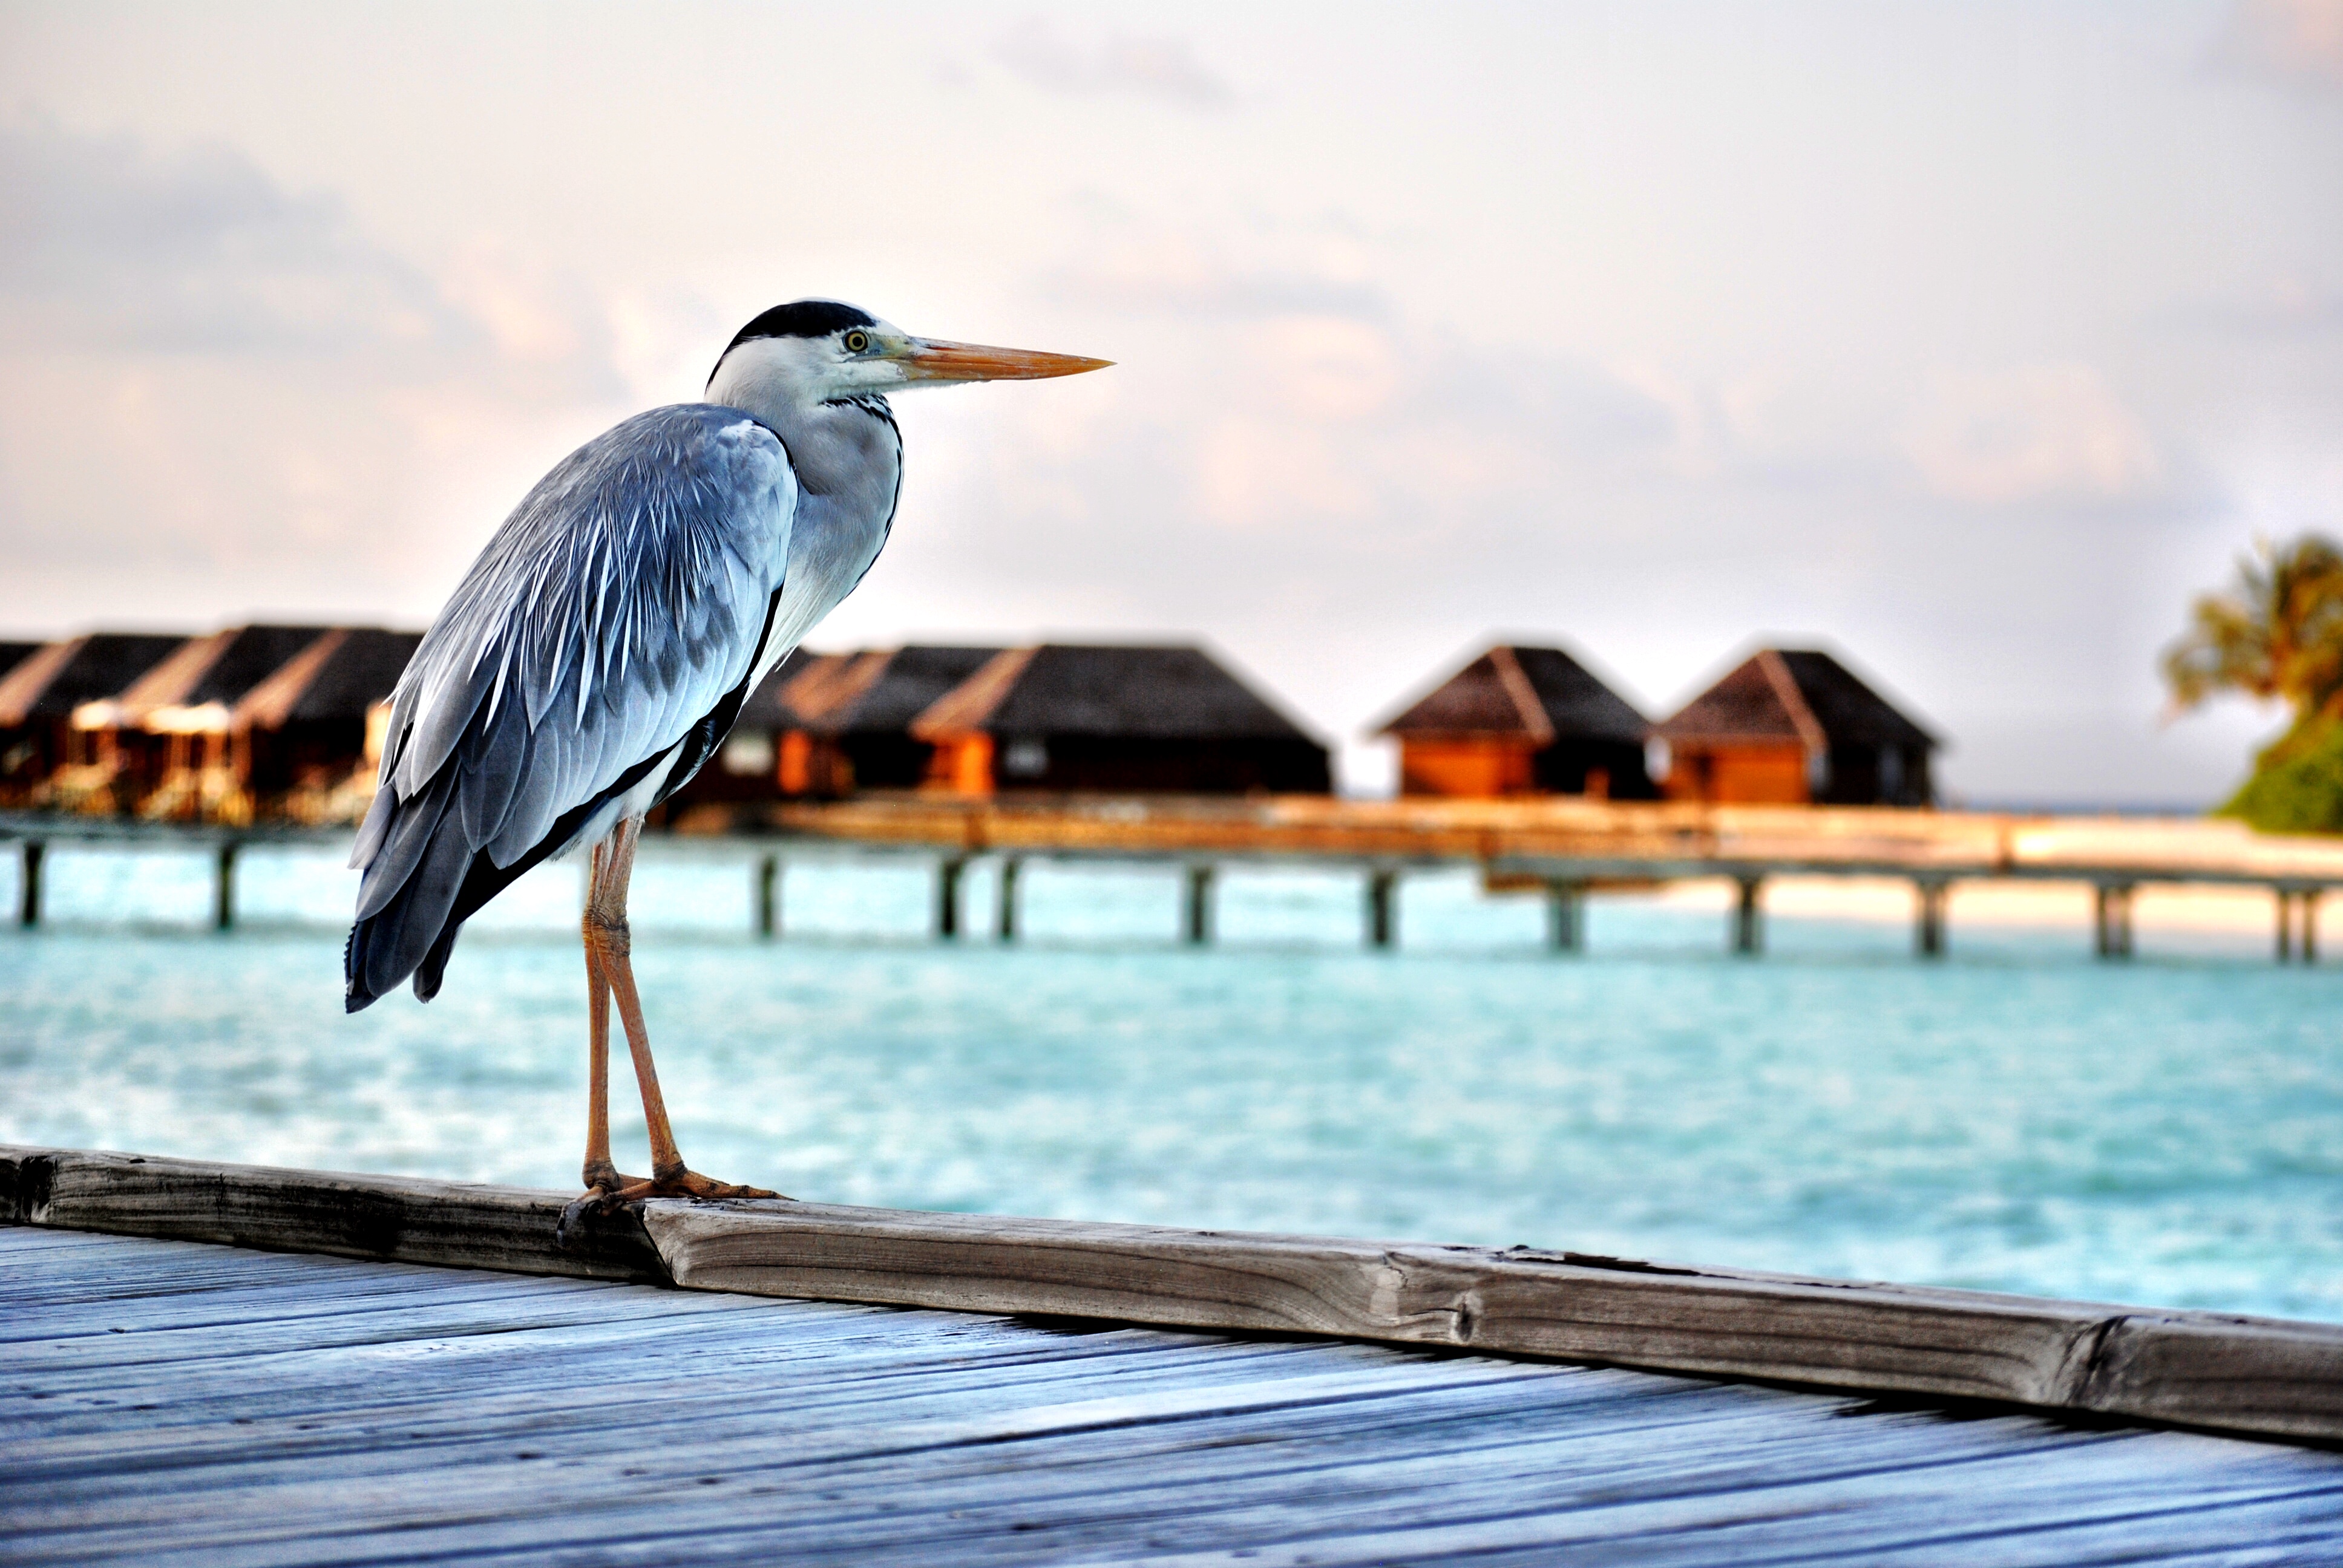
{"points": [[874, 692], [882, 694], [218, 669], [1798, 695], [1540, 694], [64, 675], [764, 707], [1156, 693], [338, 677]]}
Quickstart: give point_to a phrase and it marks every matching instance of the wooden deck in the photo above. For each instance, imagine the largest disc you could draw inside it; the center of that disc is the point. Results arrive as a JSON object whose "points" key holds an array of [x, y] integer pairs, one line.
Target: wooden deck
{"points": [[1565, 847], [947, 1388], [175, 1402], [1563, 835]]}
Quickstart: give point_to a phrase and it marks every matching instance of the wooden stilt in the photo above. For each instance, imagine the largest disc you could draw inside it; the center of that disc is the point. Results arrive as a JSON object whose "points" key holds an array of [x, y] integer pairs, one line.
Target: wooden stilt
{"points": [[947, 875], [1005, 923], [1566, 915], [1198, 910], [2112, 920], [28, 892], [1928, 938], [1748, 930], [224, 887], [769, 897], [1382, 925]]}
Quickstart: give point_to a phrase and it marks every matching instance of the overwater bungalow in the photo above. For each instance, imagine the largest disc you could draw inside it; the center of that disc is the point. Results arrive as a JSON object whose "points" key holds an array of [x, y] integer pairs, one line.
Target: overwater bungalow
{"points": [[854, 715], [1795, 726], [1519, 720], [160, 746], [40, 764], [298, 743], [1126, 718]]}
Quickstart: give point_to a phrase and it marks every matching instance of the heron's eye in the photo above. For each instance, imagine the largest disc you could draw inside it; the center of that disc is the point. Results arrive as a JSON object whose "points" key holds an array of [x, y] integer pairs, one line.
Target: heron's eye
{"points": [[858, 341]]}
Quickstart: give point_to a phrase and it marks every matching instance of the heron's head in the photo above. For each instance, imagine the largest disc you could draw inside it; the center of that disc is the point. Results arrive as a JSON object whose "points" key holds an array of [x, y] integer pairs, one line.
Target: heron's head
{"points": [[820, 351]]}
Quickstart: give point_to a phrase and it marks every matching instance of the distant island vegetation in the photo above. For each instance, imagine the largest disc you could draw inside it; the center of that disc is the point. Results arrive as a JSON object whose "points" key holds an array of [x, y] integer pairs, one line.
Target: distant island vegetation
{"points": [[2275, 634]]}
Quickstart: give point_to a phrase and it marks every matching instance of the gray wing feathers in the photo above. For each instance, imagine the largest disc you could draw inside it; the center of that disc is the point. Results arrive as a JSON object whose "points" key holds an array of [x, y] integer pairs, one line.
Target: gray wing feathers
{"points": [[614, 607]]}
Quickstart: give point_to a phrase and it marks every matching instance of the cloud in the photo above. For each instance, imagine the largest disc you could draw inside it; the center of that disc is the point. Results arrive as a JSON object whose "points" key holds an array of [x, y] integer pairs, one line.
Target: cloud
{"points": [[1155, 68], [235, 387], [2298, 42], [111, 246], [2291, 306], [115, 249], [2036, 432], [1288, 394]]}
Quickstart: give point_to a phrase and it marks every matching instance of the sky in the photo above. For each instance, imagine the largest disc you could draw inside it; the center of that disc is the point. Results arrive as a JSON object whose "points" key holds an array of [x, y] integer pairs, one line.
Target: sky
{"points": [[1971, 341]]}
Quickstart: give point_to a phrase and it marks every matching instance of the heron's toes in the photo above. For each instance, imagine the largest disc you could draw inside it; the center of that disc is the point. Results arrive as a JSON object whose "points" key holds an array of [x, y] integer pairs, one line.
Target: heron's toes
{"points": [[688, 1184], [601, 1196]]}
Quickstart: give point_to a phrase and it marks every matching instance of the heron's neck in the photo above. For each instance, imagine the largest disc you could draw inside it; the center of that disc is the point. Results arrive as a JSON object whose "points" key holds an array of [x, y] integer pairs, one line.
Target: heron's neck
{"points": [[838, 449]]}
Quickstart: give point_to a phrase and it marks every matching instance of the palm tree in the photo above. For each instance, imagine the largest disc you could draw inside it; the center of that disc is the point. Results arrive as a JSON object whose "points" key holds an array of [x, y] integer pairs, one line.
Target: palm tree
{"points": [[2276, 634]]}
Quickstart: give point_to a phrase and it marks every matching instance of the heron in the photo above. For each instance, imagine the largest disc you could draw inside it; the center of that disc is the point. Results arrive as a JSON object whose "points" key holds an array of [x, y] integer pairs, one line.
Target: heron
{"points": [[597, 653]]}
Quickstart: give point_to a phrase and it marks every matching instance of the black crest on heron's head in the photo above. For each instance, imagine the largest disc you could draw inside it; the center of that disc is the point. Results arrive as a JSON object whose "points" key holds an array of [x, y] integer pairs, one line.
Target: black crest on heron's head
{"points": [[803, 319]]}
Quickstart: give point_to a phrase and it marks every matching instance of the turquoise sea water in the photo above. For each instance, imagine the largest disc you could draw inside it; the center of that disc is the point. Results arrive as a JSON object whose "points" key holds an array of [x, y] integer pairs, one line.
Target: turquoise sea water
{"points": [[2021, 1117]]}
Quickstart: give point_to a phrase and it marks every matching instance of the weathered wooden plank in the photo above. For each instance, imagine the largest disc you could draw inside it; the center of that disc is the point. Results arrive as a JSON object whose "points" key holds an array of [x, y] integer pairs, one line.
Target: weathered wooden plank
{"points": [[2226, 1372], [1855, 1509], [813, 1401], [2202, 1370], [742, 1448], [461, 1223], [227, 1308], [1371, 1475], [723, 1441], [2267, 1377]]}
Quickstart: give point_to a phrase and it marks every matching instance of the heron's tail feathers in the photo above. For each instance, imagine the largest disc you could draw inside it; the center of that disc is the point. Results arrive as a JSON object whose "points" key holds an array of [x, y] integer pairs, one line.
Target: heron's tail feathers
{"points": [[426, 877], [408, 901]]}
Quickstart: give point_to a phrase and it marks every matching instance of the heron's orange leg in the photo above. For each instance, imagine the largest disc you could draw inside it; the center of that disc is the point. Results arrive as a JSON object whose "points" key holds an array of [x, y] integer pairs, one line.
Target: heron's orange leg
{"points": [[608, 940], [600, 1174]]}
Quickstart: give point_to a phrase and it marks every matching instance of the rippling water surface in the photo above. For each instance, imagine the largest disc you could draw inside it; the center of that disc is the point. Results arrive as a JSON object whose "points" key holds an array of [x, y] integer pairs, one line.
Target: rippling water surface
{"points": [[2017, 1118]]}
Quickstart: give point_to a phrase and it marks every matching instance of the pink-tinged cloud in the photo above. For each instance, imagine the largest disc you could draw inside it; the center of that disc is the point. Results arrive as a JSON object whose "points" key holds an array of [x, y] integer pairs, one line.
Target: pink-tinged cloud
{"points": [[2036, 432], [2300, 42]]}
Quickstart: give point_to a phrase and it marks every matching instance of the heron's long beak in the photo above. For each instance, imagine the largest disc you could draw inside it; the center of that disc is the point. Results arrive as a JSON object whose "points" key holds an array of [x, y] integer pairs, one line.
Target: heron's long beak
{"points": [[933, 359]]}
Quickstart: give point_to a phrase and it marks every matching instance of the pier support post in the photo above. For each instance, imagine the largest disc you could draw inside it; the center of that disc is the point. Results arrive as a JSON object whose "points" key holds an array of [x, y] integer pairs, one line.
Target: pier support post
{"points": [[2302, 904], [1198, 909], [1566, 915], [224, 887], [28, 891], [2114, 920], [1929, 935], [769, 897], [947, 875], [1748, 924], [1004, 928], [1383, 912]]}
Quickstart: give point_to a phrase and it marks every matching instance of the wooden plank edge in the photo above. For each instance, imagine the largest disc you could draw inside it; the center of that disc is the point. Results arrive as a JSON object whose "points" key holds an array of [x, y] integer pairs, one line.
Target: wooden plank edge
{"points": [[2269, 1377], [386, 1219], [2260, 1376]]}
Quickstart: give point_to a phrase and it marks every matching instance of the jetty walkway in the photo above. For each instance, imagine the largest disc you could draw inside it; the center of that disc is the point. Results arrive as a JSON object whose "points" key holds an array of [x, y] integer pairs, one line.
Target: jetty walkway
{"points": [[1565, 848], [224, 1364]]}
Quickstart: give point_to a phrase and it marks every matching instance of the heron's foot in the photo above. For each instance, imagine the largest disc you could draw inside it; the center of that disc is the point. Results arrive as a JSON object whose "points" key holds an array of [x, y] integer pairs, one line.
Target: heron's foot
{"points": [[606, 1178], [603, 1185], [680, 1182]]}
